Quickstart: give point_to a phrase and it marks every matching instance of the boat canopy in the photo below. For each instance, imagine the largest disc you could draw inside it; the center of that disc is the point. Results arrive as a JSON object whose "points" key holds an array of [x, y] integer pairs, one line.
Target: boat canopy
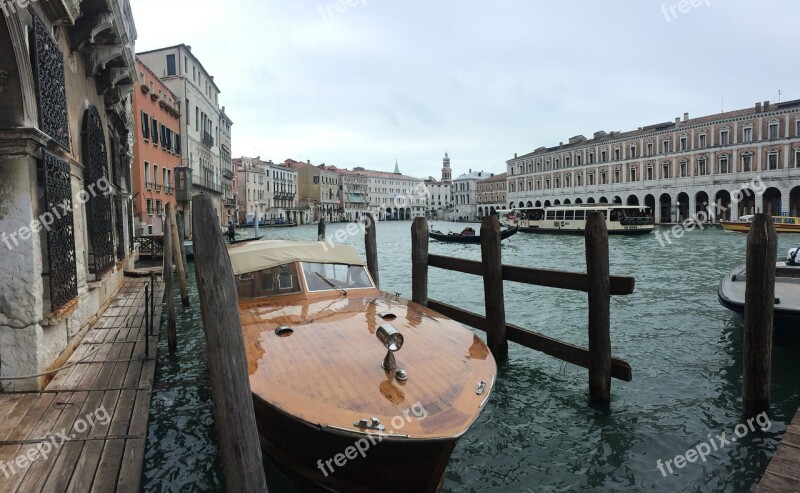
{"points": [[259, 255]]}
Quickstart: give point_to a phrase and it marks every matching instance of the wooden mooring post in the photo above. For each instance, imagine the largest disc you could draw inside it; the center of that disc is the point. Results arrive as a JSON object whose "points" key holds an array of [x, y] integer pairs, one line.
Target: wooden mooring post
{"points": [[172, 339], [321, 229], [182, 237], [371, 248], [177, 243], [494, 299], [596, 238], [419, 261], [240, 450], [759, 303], [597, 282]]}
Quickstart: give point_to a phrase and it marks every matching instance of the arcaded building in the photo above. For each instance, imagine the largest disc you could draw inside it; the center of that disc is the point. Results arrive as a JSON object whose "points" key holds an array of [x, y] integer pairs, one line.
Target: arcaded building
{"points": [[731, 164]]}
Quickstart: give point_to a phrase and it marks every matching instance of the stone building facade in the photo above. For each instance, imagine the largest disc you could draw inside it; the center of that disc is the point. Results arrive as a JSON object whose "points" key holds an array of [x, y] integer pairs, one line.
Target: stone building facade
{"points": [[728, 164], [67, 71], [491, 195]]}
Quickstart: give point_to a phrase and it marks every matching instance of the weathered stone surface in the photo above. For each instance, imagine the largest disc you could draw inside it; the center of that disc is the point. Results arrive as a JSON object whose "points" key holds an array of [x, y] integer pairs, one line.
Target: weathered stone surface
{"points": [[18, 356]]}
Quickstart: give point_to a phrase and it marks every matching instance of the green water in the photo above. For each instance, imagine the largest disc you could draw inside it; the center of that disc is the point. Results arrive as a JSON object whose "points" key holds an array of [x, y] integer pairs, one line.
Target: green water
{"points": [[538, 432]]}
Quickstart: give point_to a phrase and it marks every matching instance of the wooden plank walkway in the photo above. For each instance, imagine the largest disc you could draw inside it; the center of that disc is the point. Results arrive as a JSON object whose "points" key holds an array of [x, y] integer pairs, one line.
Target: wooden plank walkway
{"points": [[87, 430], [783, 473]]}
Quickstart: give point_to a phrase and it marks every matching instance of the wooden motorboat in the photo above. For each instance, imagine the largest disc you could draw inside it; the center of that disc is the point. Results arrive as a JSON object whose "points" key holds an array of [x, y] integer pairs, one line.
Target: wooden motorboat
{"points": [[327, 399], [783, 224], [786, 315], [468, 235]]}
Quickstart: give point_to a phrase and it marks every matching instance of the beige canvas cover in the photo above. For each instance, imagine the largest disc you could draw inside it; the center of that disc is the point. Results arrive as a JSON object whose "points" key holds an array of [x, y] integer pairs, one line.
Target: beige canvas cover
{"points": [[257, 255]]}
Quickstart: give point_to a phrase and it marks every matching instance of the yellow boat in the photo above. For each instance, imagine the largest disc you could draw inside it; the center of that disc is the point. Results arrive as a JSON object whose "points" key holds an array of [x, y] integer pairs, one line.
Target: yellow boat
{"points": [[783, 224]]}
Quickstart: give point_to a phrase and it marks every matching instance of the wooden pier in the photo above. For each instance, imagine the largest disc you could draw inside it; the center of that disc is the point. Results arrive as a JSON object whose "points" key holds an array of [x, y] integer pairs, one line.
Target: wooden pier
{"points": [[783, 473], [108, 380]]}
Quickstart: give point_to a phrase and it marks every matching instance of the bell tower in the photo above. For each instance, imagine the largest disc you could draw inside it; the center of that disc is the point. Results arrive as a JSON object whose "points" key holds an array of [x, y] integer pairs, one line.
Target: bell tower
{"points": [[447, 173]]}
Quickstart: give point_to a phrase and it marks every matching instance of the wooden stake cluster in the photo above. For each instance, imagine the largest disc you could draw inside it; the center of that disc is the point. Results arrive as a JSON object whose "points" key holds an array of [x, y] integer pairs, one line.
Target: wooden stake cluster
{"points": [[759, 303], [321, 229], [371, 247], [172, 338], [239, 446], [177, 243]]}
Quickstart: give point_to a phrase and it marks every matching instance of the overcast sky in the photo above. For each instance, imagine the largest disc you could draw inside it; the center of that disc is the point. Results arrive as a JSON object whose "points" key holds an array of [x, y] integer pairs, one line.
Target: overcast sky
{"points": [[407, 80]]}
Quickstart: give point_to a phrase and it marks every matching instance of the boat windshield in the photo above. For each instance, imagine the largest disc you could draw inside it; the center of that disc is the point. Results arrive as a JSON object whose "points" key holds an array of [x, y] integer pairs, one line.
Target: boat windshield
{"points": [[266, 283], [329, 277]]}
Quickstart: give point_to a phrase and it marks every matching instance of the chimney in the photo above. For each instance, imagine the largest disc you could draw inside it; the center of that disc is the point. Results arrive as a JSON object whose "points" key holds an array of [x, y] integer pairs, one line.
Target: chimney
{"points": [[308, 161], [686, 117], [758, 107], [766, 106], [470, 170], [677, 119]]}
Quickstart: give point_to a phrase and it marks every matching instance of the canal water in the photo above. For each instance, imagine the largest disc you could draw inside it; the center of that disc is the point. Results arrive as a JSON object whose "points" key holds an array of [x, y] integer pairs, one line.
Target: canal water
{"points": [[538, 433]]}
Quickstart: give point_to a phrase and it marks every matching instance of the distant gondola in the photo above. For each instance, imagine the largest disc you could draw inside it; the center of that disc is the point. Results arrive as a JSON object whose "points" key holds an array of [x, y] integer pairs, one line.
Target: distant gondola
{"points": [[468, 238]]}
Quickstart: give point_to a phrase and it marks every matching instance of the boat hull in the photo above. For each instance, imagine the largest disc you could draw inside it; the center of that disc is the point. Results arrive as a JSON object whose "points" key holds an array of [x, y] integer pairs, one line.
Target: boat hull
{"points": [[470, 239], [742, 227], [313, 452]]}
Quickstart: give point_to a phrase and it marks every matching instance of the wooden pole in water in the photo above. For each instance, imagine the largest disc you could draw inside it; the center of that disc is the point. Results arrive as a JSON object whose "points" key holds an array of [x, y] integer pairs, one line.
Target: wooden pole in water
{"points": [[759, 303], [371, 247], [172, 338], [177, 253], [321, 229], [419, 261], [493, 287], [182, 237], [597, 268], [239, 446]]}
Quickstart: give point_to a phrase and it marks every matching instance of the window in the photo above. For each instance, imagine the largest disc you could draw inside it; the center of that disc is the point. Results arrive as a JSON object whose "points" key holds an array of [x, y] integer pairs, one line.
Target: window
{"points": [[147, 183], [616, 176], [683, 143], [145, 126], [579, 179], [649, 171], [665, 146], [188, 107], [591, 158], [723, 165], [747, 162], [149, 207], [566, 161], [633, 174], [166, 180], [158, 207], [723, 138], [171, 65], [603, 156], [196, 119], [797, 128], [632, 153], [591, 179], [797, 158], [773, 131], [578, 160], [702, 139], [702, 169], [154, 127], [616, 154], [665, 169], [747, 135], [155, 176], [684, 169], [772, 160], [649, 148]]}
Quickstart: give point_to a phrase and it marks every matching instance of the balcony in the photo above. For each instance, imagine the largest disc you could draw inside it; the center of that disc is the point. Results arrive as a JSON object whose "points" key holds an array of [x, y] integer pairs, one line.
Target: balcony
{"points": [[230, 202], [208, 184], [284, 195], [168, 190], [208, 139], [227, 174], [148, 185], [157, 187]]}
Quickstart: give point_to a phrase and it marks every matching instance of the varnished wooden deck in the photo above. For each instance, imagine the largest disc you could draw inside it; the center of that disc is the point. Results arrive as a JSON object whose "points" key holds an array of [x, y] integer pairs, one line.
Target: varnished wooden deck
{"points": [[783, 473], [110, 375]]}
